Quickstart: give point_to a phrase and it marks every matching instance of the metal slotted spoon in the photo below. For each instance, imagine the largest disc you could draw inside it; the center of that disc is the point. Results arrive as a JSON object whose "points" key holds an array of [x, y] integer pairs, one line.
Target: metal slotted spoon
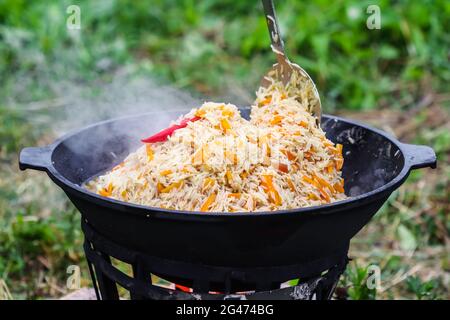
{"points": [[284, 69]]}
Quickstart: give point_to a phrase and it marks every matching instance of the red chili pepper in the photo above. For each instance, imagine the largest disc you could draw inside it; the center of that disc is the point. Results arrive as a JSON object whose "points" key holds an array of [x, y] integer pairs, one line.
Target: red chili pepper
{"points": [[164, 134]]}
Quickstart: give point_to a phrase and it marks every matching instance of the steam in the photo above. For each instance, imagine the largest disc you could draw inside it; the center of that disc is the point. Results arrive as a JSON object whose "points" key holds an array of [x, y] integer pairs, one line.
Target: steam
{"points": [[124, 95], [79, 105]]}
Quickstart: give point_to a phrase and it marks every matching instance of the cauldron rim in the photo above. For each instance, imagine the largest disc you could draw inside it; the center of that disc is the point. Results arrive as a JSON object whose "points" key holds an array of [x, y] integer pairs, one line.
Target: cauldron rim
{"points": [[412, 155]]}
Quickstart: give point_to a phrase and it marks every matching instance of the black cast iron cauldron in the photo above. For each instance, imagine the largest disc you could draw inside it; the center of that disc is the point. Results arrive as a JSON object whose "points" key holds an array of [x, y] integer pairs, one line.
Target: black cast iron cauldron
{"points": [[375, 165]]}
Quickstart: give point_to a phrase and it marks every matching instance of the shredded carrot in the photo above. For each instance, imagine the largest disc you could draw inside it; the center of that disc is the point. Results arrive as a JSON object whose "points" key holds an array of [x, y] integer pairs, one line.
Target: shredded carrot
{"points": [[313, 196], [244, 174], [160, 187], [225, 125], [227, 113], [166, 172], [208, 182], [339, 186], [339, 163], [290, 184], [172, 186], [269, 188], [234, 195], [208, 202], [266, 101], [106, 192], [289, 155], [283, 96], [200, 113], [330, 168], [325, 195], [283, 167], [311, 181], [303, 124], [339, 149], [322, 182], [276, 120], [229, 176], [150, 153], [331, 188], [103, 193], [268, 150]]}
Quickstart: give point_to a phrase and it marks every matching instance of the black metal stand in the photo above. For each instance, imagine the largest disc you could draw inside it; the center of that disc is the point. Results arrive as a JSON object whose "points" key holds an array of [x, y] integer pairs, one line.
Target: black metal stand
{"points": [[317, 280]]}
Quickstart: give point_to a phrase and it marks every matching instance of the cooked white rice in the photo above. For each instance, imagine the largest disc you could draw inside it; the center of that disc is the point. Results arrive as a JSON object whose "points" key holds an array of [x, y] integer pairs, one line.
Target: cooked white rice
{"points": [[280, 159]]}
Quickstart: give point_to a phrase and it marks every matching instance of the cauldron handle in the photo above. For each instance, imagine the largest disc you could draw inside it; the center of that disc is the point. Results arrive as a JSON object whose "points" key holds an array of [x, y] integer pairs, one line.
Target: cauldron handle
{"points": [[37, 158], [418, 156]]}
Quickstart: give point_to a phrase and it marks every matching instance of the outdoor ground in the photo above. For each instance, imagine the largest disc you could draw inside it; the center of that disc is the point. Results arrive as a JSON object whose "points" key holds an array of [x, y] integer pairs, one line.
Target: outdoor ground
{"points": [[130, 56]]}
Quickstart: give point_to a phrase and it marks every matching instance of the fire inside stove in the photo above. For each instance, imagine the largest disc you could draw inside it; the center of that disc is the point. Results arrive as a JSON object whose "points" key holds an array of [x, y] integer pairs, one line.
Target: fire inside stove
{"points": [[163, 283]]}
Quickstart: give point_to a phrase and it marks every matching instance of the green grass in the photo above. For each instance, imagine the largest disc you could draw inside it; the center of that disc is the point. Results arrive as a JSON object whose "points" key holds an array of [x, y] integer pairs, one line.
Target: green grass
{"points": [[220, 49]]}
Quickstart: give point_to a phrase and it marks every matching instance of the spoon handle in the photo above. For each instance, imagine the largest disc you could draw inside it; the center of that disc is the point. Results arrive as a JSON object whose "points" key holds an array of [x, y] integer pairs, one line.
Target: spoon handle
{"points": [[272, 23]]}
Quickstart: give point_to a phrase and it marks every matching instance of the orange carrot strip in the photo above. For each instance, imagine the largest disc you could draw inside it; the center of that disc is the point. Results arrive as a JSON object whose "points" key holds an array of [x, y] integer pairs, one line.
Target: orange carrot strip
{"points": [[325, 195], [172, 186], [227, 113], [106, 192], [266, 101], [322, 182], [229, 176], [200, 113], [283, 167], [225, 125], [339, 163], [269, 188], [150, 153], [313, 196], [165, 172], [303, 124], [208, 182], [339, 148], [290, 184], [330, 168], [311, 181], [339, 186], [276, 120], [208, 202], [289, 155]]}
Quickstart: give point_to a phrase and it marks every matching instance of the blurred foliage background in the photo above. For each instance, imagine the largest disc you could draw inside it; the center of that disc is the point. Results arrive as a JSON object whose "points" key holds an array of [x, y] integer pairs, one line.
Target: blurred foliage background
{"points": [[396, 78]]}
